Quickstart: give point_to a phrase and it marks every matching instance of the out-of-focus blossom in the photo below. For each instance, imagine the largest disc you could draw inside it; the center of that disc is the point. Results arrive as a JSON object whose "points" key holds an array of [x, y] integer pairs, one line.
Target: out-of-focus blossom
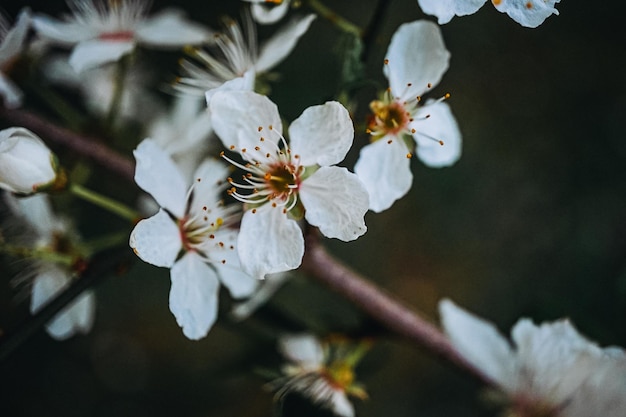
{"points": [[550, 370], [268, 11], [284, 181], [416, 60], [529, 13], [11, 45], [104, 31], [192, 235], [239, 60], [50, 234], [321, 371], [26, 164]]}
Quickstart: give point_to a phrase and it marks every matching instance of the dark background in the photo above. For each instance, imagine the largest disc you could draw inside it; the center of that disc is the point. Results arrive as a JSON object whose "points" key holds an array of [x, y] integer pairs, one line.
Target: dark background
{"points": [[530, 222]]}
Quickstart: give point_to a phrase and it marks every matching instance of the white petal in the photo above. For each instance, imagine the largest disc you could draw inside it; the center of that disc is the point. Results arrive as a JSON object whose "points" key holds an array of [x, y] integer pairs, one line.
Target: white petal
{"points": [[10, 93], [335, 200], [237, 116], [75, 317], [225, 260], [445, 10], [480, 343], [439, 126], [13, 42], [416, 56], [93, 53], [243, 83], [64, 33], [269, 242], [555, 357], [529, 13], [279, 46], [385, 171], [302, 349], [340, 404], [322, 135], [156, 240], [265, 290], [35, 210], [267, 15], [170, 29], [158, 175], [207, 179], [194, 295]]}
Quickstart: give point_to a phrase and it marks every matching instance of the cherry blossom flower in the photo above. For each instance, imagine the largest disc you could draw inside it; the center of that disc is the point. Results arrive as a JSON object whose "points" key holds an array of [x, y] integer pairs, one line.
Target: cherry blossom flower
{"points": [[286, 181], [104, 31], [551, 370], [43, 231], [239, 60], [416, 61], [11, 45], [529, 13], [268, 11], [322, 371], [192, 235], [26, 164]]}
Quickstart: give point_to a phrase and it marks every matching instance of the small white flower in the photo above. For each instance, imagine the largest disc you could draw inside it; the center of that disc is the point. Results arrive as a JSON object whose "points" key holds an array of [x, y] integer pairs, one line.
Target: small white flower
{"points": [[549, 369], [190, 234], [416, 60], [239, 60], [324, 372], [26, 163], [104, 31], [11, 45], [268, 11], [50, 233], [284, 181], [529, 13]]}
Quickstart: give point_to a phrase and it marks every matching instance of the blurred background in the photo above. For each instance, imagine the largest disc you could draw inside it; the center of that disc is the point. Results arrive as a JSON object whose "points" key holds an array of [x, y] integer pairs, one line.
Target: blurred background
{"points": [[531, 222]]}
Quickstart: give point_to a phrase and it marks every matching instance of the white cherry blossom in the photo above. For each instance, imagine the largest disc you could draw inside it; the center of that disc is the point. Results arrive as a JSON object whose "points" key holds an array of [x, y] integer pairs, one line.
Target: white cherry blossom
{"points": [[103, 31], [240, 60], [416, 60], [11, 45], [45, 231], [283, 181], [268, 11], [192, 235], [528, 13], [322, 371], [549, 370], [27, 165]]}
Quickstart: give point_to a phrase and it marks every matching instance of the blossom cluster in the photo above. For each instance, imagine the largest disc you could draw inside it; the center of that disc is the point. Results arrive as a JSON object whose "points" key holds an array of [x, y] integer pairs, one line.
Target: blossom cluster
{"points": [[233, 189]]}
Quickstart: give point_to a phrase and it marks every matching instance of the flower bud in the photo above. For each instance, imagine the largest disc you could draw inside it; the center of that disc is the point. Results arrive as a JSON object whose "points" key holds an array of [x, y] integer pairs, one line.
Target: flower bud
{"points": [[26, 163]]}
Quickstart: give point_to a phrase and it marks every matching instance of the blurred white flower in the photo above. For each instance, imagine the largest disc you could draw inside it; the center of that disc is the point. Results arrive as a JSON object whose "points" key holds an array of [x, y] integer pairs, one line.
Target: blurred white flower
{"points": [[104, 31], [26, 163], [11, 45], [284, 182], [321, 371], [47, 232], [416, 60], [190, 234], [529, 13], [551, 370], [239, 60], [268, 11]]}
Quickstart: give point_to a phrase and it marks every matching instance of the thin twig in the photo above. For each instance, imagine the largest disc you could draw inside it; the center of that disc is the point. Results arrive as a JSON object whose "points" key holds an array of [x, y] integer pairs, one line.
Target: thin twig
{"points": [[382, 307], [88, 147]]}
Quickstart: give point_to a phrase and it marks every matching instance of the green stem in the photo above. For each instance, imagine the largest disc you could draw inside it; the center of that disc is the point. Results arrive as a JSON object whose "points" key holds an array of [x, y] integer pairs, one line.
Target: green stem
{"points": [[72, 118], [334, 18], [104, 202], [105, 242], [118, 90]]}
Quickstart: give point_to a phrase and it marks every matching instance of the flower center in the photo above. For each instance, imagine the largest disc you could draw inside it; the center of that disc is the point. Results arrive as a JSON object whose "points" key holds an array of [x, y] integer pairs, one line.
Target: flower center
{"points": [[340, 375], [390, 118], [195, 230], [282, 179], [118, 36]]}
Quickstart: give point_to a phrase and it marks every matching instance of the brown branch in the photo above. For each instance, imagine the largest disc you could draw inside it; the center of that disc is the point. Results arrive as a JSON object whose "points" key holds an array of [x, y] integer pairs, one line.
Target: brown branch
{"points": [[88, 147], [381, 306]]}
